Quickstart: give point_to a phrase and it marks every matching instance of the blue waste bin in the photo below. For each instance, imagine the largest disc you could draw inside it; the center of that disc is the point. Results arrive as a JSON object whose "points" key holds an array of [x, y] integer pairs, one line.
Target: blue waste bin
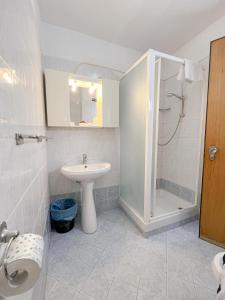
{"points": [[63, 213]]}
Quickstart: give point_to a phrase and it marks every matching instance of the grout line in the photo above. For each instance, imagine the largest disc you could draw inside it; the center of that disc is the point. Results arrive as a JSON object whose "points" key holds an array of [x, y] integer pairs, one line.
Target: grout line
{"points": [[109, 289], [195, 291], [138, 288], [166, 265]]}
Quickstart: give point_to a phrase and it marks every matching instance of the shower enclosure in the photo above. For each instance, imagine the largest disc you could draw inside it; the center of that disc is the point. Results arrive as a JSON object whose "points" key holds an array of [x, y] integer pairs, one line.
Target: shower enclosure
{"points": [[161, 129]]}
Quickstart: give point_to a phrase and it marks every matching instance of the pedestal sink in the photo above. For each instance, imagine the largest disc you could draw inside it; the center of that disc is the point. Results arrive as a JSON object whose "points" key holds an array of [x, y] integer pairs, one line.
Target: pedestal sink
{"points": [[86, 174]]}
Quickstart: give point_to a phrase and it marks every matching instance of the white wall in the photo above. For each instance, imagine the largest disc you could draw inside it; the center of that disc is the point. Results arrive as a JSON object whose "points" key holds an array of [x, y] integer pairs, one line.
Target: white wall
{"points": [[23, 169], [199, 47], [64, 49], [71, 45]]}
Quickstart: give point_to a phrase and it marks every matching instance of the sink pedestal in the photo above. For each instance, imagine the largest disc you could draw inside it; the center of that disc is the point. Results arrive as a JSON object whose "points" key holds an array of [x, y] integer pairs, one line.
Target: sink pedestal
{"points": [[86, 174], [88, 212]]}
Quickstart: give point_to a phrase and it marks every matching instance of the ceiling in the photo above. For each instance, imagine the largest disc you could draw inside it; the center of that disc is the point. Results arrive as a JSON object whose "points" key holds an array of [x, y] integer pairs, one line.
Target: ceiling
{"points": [[139, 24]]}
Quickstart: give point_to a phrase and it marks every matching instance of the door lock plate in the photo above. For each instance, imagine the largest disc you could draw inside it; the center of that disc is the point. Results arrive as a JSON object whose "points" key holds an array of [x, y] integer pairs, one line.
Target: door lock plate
{"points": [[212, 152]]}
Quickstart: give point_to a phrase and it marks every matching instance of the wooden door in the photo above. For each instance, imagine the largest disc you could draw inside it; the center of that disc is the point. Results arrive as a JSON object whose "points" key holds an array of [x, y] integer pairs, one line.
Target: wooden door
{"points": [[212, 222]]}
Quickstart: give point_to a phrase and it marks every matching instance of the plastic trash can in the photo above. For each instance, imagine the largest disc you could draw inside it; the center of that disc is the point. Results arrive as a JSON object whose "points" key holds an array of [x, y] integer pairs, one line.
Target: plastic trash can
{"points": [[63, 213]]}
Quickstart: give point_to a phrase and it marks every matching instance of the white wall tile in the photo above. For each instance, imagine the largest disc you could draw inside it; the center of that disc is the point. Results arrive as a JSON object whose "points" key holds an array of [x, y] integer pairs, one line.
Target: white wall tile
{"points": [[23, 169], [67, 147], [178, 160]]}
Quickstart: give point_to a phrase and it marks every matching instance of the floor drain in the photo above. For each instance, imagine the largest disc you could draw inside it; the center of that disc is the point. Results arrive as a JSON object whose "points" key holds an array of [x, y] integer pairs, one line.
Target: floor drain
{"points": [[180, 207]]}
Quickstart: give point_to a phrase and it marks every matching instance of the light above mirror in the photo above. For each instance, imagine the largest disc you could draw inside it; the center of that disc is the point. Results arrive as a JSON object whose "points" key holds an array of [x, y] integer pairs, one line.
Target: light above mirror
{"points": [[74, 84]]}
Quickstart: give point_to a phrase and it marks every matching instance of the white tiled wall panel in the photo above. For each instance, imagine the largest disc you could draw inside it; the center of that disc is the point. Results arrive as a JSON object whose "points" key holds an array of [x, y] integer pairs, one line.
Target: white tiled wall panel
{"points": [[67, 146], [178, 161], [23, 169]]}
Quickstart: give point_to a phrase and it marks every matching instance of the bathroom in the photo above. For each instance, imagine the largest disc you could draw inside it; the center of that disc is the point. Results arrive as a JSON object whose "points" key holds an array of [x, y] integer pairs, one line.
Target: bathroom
{"points": [[142, 159]]}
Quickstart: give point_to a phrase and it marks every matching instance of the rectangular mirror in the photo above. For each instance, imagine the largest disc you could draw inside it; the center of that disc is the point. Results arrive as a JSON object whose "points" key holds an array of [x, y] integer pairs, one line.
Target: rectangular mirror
{"points": [[77, 101], [85, 100]]}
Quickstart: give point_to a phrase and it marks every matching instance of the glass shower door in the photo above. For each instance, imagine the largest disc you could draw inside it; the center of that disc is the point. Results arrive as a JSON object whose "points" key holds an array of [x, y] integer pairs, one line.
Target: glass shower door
{"points": [[133, 107]]}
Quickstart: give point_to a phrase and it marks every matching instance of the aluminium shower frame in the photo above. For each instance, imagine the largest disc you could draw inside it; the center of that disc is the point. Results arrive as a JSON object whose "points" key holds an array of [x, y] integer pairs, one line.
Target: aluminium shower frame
{"points": [[146, 222], [151, 139], [154, 61]]}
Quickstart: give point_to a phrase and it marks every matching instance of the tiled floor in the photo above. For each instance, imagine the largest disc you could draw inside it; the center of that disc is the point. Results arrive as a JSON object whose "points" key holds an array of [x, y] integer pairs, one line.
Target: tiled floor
{"points": [[117, 263], [167, 202]]}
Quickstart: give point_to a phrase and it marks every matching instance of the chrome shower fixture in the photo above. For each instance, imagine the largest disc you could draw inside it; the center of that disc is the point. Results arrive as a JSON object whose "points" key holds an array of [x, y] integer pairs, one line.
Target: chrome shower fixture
{"points": [[182, 115], [181, 98], [169, 94]]}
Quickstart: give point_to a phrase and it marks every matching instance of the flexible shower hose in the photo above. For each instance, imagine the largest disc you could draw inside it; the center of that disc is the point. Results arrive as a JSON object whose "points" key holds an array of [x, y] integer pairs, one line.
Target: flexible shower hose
{"points": [[170, 139]]}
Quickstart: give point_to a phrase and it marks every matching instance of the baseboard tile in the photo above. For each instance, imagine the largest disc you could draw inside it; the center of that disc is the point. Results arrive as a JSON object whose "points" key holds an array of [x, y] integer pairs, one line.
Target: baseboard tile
{"points": [[176, 189], [105, 198]]}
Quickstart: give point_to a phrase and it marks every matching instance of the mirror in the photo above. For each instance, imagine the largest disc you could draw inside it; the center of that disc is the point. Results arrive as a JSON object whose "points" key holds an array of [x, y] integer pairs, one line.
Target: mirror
{"points": [[85, 102], [77, 101]]}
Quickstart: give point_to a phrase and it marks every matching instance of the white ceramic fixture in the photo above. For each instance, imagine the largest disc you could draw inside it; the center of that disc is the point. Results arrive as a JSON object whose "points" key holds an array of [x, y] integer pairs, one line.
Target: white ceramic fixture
{"points": [[85, 174]]}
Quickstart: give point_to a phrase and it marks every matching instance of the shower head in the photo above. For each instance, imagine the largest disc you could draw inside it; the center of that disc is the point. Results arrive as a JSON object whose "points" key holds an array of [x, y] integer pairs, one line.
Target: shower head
{"points": [[169, 94]]}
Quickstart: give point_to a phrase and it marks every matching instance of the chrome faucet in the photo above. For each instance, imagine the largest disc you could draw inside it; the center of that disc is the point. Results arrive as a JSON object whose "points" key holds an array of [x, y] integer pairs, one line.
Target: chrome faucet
{"points": [[85, 159]]}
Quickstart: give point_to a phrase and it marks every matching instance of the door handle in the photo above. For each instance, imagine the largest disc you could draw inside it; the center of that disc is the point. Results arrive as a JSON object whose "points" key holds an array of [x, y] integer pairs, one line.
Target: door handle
{"points": [[212, 152]]}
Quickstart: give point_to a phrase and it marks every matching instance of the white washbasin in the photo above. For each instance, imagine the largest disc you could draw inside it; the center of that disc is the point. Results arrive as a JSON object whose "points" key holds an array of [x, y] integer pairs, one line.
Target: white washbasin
{"points": [[85, 172]]}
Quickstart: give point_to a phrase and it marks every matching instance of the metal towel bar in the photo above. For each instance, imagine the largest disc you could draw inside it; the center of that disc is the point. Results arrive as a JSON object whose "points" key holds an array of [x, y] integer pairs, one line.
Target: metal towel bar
{"points": [[165, 109], [20, 138]]}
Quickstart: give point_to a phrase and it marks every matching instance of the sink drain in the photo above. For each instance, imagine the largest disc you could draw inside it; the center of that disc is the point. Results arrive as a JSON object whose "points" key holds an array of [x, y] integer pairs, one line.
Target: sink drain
{"points": [[180, 207]]}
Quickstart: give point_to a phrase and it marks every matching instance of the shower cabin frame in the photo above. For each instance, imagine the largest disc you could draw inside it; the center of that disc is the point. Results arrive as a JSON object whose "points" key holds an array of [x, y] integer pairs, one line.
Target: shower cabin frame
{"points": [[148, 222]]}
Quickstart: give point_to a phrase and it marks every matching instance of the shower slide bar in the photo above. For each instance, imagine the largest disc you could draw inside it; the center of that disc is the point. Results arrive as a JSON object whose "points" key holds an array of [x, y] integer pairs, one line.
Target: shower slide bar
{"points": [[19, 137]]}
